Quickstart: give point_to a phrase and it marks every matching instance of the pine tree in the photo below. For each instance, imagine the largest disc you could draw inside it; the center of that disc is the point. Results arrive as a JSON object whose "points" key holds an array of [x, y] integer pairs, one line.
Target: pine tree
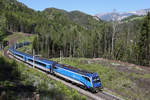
{"points": [[144, 42], [2, 25]]}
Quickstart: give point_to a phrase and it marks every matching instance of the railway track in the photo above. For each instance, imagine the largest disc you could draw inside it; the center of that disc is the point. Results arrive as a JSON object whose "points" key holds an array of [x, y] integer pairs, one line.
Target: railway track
{"points": [[97, 96]]}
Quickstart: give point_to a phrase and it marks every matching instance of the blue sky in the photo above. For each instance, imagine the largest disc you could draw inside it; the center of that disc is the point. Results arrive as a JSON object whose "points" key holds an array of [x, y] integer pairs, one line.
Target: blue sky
{"points": [[89, 6]]}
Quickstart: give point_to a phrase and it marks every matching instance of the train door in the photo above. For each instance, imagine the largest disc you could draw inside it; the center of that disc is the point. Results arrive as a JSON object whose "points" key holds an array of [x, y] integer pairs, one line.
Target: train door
{"points": [[25, 58], [52, 68]]}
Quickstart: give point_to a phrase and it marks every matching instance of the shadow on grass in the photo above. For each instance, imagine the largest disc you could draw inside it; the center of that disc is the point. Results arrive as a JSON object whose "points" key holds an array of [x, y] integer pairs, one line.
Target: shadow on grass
{"points": [[8, 70], [16, 92], [5, 35], [10, 82]]}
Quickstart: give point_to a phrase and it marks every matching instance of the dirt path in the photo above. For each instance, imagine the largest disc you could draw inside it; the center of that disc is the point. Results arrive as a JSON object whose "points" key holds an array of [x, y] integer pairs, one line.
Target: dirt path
{"points": [[13, 40], [122, 66]]}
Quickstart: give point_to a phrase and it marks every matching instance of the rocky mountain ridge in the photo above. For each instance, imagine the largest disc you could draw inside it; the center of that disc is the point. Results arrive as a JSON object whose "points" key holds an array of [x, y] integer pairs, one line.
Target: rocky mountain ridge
{"points": [[121, 15]]}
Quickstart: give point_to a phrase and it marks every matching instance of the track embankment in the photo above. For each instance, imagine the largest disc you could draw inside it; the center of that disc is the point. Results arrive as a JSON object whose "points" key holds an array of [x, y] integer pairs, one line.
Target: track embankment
{"points": [[97, 96]]}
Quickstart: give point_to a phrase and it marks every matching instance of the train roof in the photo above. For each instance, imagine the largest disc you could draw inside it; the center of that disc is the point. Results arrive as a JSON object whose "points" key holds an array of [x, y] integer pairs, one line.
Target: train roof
{"points": [[68, 67], [36, 58], [77, 70], [45, 60]]}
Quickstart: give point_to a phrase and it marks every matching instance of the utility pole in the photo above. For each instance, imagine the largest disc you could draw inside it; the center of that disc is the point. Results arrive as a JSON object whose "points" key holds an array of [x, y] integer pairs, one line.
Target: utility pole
{"points": [[38, 43], [33, 58], [60, 57], [2, 49], [0, 46]]}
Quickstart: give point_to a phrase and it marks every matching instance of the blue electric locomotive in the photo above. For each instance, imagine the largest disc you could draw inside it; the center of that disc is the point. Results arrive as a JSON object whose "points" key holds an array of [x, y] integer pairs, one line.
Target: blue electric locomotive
{"points": [[84, 78], [87, 79]]}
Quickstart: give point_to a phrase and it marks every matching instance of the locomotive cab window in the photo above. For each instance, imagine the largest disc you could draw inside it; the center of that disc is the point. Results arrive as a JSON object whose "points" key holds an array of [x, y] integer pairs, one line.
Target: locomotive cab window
{"points": [[96, 79], [87, 78]]}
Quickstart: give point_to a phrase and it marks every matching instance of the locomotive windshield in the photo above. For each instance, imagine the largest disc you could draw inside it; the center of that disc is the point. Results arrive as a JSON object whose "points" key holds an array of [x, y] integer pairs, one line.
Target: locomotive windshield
{"points": [[96, 79]]}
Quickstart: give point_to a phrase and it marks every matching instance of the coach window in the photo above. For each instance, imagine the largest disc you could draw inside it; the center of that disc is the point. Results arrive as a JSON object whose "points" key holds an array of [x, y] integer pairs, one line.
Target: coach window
{"points": [[30, 60], [39, 63], [19, 56]]}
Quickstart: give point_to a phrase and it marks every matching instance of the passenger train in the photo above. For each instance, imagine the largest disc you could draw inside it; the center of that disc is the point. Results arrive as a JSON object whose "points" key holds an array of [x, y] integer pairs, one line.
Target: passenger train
{"points": [[86, 79]]}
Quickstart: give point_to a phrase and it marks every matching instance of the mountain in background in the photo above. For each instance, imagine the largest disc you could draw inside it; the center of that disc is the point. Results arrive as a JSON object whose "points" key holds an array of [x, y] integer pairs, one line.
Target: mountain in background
{"points": [[77, 17], [120, 16], [19, 18]]}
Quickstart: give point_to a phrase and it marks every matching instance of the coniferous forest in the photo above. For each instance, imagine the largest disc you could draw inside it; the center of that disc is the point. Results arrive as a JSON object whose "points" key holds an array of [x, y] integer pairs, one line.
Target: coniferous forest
{"points": [[77, 34]]}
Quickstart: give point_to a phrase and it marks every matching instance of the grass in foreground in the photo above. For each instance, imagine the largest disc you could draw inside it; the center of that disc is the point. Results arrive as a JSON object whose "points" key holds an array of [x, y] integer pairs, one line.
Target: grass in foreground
{"points": [[18, 81], [123, 83]]}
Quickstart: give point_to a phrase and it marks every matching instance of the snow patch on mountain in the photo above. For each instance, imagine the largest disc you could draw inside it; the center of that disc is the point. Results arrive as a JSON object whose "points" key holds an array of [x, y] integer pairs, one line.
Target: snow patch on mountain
{"points": [[121, 15]]}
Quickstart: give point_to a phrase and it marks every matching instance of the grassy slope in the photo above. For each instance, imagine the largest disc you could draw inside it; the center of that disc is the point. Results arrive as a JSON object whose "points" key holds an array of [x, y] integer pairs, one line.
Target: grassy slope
{"points": [[30, 80], [123, 83], [21, 36]]}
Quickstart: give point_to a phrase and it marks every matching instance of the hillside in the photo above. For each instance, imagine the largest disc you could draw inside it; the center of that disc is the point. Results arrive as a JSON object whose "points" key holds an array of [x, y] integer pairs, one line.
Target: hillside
{"points": [[76, 17], [18, 17], [51, 23], [74, 33]]}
